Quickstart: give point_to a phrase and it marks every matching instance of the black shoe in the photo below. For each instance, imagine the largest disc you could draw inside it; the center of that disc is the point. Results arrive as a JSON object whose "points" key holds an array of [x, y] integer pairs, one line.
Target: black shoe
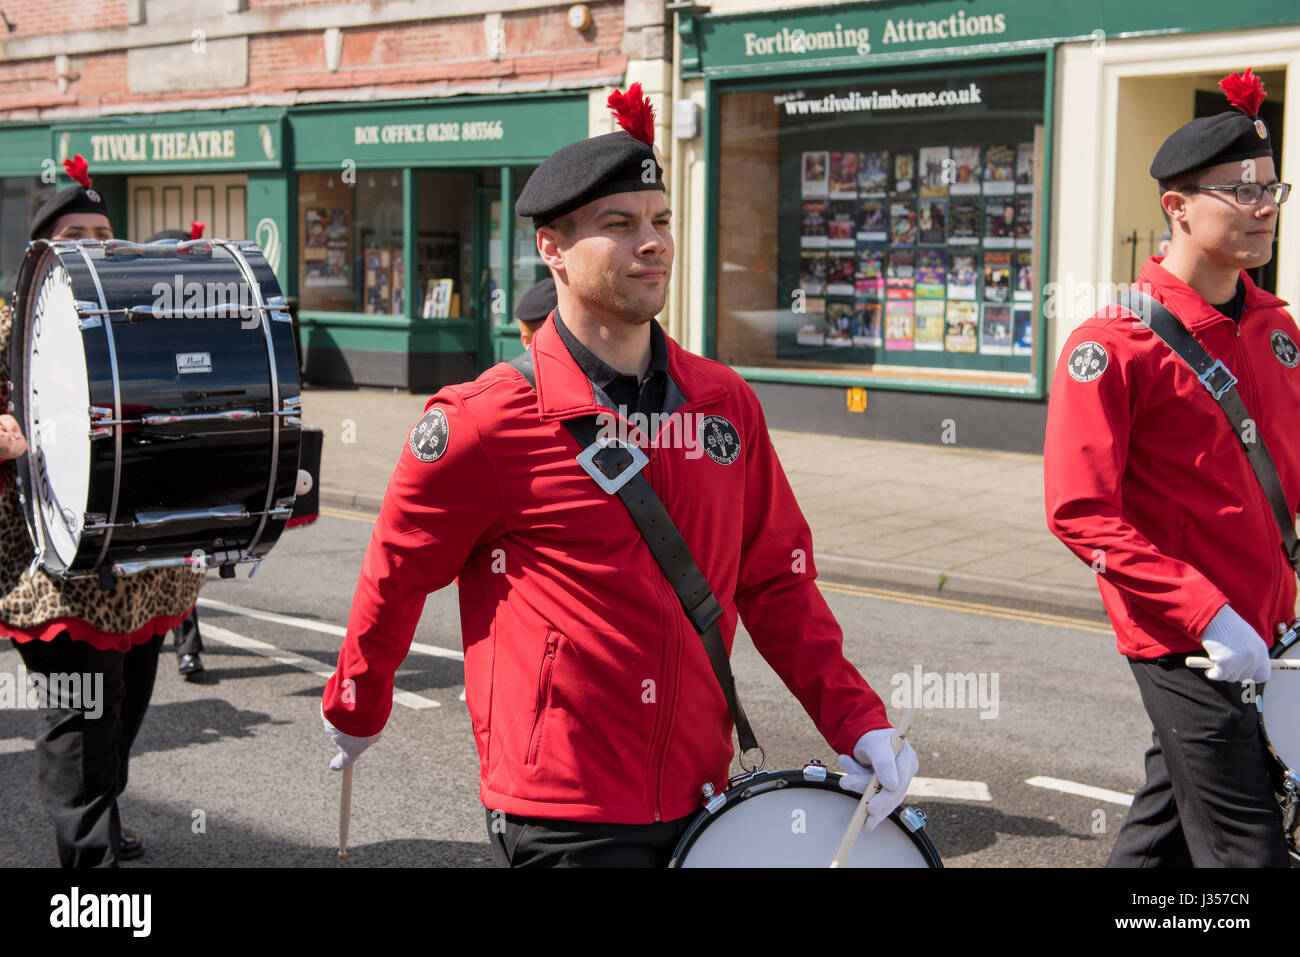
{"points": [[131, 846], [188, 665]]}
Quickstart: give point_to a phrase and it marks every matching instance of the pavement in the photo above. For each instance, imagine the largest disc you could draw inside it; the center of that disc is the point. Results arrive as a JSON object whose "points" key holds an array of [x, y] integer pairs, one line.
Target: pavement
{"points": [[942, 518]]}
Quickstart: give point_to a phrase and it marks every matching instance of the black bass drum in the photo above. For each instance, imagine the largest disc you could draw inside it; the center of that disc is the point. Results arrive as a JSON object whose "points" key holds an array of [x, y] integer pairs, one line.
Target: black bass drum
{"points": [[157, 386]]}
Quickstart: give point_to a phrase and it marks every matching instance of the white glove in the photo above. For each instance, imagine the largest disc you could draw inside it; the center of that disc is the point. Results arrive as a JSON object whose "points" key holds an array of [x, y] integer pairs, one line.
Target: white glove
{"points": [[873, 752], [350, 748], [1238, 653]]}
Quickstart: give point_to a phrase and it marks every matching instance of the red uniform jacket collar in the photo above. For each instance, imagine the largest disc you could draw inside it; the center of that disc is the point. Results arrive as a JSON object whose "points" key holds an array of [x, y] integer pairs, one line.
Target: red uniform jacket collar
{"points": [[564, 391], [1188, 304]]}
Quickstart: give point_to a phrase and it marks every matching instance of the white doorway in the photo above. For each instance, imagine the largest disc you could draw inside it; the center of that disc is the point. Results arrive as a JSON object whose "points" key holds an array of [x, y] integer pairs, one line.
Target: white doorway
{"points": [[171, 202]]}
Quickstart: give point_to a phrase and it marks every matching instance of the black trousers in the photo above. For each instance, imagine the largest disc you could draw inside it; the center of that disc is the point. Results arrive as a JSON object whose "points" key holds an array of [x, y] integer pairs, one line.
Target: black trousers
{"points": [[1207, 801], [541, 842], [188, 641], [81, 761]]}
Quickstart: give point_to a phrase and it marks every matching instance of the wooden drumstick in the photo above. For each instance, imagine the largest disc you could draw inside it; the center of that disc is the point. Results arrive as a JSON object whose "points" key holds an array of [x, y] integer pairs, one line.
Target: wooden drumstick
{"points": [[345, 812], [1280, 664], [873, 786]]}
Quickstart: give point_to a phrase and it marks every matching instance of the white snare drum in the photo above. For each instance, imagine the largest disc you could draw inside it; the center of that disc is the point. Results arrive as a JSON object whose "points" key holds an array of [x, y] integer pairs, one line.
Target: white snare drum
{"points": [[797, 819], [1279, 712]]}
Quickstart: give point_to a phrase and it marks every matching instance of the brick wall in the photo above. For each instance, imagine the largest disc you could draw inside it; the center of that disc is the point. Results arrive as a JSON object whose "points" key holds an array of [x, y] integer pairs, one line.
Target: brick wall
{"points": [[538, 47], [35, 17]]}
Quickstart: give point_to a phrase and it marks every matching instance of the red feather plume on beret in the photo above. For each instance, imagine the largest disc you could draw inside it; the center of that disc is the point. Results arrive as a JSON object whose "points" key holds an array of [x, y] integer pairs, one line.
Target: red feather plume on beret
{"points": [[196, 229], [78, 169], [634, 113], [1245, 92]]}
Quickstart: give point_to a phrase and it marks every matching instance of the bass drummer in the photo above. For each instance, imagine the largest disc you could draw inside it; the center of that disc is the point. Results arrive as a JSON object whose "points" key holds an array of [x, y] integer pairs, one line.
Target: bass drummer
{"points": [[598, 718], [76, 627]]}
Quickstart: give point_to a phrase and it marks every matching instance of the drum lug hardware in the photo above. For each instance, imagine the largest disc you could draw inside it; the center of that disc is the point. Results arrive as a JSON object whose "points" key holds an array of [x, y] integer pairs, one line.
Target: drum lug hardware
{"points": [[91, 322], [913, 818], [101, 433], [760, 788], [814, 770], [715, 805], [282, 511]]}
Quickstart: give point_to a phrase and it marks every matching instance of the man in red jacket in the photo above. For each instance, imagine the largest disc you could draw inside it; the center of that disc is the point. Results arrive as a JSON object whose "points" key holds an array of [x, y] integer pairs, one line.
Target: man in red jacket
{"points": [[1147, 482], [597, 716]]}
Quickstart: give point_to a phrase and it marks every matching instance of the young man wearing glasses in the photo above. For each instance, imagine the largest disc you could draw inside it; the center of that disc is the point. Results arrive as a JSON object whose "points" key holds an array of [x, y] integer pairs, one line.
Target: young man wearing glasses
{"points": [[1147, 481]]}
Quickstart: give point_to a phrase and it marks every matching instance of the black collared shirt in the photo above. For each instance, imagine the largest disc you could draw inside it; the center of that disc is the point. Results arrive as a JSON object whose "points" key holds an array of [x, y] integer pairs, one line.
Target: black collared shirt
{"points": [[613, 388], [1234, 306]]}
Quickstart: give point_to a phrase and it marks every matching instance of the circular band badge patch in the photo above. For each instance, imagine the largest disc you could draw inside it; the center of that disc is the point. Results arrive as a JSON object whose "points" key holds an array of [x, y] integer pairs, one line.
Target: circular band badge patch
{"points": [[1087, 361], [429, 437], [1284, 349], [720, 440]]}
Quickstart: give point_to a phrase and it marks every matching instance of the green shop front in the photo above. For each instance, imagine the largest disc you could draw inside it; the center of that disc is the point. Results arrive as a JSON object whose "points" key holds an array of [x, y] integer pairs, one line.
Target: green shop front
{"points": [[878, 199], [224, 168], [410, 260]]}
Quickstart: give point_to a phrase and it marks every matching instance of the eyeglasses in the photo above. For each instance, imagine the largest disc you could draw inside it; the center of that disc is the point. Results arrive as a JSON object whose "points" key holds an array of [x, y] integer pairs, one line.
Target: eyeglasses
{"points": [[1249, 194]]}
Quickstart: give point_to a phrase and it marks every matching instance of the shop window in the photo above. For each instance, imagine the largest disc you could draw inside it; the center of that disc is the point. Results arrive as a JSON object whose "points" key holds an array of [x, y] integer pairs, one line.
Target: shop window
{"points": [[528, 265], [351, 246], [445, 244], [882, 226], [20, 197]]}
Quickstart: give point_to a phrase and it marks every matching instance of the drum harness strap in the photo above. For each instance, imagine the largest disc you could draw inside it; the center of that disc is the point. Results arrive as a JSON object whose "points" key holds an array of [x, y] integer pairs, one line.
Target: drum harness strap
{"points": [[1222, 386], [617, 469]]}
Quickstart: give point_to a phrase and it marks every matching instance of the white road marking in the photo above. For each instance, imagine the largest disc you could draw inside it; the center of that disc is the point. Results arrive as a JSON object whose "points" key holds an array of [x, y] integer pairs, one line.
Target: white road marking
{"points": [[16, 745], [1082, 790], [948, 788], [324, 628], [267, 650]]}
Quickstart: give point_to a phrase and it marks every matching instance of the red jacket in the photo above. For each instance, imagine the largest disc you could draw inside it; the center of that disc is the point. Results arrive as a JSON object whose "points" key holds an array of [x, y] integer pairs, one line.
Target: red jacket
{"points": [[591, 695], [1143, 472]]}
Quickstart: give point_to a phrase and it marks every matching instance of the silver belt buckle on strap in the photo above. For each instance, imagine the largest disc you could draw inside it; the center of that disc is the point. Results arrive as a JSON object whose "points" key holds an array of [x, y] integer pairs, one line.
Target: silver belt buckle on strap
{"points": [[613, 471]]}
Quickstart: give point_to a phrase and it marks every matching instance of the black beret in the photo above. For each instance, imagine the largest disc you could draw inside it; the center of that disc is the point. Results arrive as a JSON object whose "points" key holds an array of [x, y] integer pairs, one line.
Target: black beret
{"points": [[66, 202], [1210, 140], [537, 302], [576, 174], [1226, 138]]}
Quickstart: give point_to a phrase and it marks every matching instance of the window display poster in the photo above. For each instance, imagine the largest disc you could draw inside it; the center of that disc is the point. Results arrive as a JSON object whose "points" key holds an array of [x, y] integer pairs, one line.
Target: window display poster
{"points": [[841, 229], [904, 171], [936, 164], [870, 278], [873, 173], [898, 326], [317, 227], [844, 176], [964, 221], [337, 234], [965, 170], [867, 324], [1025, 220], [932, 222], [813, 231], [1024, 275], [995, 331], [839, 323], [812, 274], [997, 276], [900, 274], [963, 318], [1024, 167], [812, 331], [999, 222], [963, 274], [816, 175], [929, 323], [902, 223], [931, 269], [999, 169], [1023, 342], [873, 221], [839, 274]]}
